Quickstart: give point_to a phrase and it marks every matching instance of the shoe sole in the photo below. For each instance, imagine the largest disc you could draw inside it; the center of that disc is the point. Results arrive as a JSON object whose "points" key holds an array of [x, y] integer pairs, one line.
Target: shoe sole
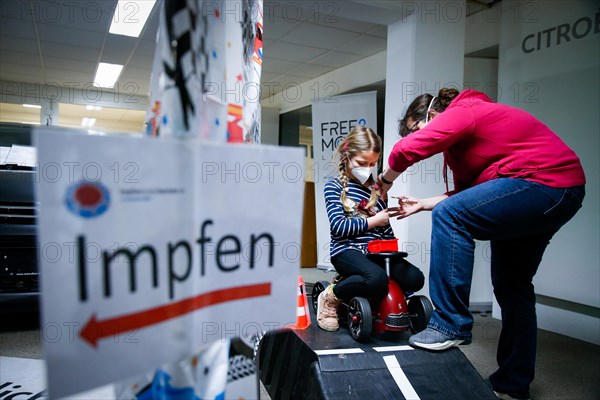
{"points": [[319, 312], [504, 396], [439, 346]]}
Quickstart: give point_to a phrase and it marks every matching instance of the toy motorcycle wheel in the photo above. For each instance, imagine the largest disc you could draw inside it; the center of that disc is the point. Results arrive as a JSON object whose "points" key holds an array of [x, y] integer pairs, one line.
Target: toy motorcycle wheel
{"points": [[419, 309], [360, 319], [316, 291]]}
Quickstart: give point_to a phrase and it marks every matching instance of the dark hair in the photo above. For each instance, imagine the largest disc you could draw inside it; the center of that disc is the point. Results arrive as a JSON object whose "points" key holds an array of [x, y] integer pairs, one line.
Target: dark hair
{"points": [[418, 108]]}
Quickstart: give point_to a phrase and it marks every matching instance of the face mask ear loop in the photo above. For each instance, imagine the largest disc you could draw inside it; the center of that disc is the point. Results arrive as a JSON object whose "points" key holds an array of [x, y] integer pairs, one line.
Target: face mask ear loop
{"points": [[429, 109]]}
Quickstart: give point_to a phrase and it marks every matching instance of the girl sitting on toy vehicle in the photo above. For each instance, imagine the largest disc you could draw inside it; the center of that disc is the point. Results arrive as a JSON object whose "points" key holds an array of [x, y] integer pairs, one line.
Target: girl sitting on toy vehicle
{"points": [[356, 217]]}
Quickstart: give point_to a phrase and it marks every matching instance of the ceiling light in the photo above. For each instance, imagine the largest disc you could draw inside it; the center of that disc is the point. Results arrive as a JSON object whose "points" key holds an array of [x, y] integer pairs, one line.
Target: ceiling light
{"points": [[130, 17], [99, 133], [107, 75], [32, 106], [93, 108], [88, 122]]}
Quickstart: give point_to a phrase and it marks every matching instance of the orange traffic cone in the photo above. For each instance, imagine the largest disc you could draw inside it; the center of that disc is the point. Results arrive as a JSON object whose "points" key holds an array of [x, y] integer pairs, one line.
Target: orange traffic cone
{"points": [[302, 314]]}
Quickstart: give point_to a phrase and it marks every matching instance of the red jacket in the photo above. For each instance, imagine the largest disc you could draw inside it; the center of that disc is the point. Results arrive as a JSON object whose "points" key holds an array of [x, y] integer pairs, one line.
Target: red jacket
{"points": [[482, 140]]}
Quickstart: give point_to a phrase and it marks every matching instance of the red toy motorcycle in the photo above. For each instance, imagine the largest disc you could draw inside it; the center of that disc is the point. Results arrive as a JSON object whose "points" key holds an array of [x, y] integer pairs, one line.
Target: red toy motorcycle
{"points": [[394, 312]]}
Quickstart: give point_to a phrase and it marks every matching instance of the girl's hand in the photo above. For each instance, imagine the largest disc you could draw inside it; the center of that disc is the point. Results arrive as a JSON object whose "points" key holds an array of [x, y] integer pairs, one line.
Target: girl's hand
{"points": [[382, 218]]}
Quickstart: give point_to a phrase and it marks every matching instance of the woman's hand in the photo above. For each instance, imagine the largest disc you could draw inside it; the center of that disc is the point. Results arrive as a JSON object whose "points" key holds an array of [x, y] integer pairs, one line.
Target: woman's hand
{"points": [[406, 206], [382, 218], [409, 205]]}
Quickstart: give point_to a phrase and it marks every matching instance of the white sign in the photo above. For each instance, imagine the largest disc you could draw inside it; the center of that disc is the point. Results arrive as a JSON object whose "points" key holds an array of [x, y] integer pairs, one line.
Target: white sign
{"points": [[24, 156], [333, 119], [151, 248]]}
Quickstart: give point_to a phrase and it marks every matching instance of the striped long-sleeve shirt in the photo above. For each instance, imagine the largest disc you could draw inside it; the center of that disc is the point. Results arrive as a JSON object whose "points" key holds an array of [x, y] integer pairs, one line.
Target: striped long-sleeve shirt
{"points": [[349, 230]]}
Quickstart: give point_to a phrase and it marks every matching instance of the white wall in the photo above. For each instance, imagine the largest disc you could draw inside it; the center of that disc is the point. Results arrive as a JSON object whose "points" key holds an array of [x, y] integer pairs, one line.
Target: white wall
{"points": [[559, 85], [483, 29], [425, 53], [482, 74]]}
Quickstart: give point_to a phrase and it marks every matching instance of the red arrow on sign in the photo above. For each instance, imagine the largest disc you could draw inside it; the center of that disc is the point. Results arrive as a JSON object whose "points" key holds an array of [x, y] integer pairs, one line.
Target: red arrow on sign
{"points": [[96, 330]]}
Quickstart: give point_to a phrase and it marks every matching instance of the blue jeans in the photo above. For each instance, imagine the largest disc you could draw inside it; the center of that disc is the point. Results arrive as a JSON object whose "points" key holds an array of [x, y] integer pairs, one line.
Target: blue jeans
{"points": [[519, 218]]}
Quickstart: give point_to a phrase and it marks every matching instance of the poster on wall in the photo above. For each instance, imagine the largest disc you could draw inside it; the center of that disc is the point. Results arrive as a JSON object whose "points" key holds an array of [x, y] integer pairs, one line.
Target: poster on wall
{"points": [[206, 73], [151, 250], [332, 120]]}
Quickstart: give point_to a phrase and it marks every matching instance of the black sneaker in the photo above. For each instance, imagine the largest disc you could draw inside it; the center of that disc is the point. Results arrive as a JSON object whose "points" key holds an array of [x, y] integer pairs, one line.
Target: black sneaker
{"points": [[506, 396]]}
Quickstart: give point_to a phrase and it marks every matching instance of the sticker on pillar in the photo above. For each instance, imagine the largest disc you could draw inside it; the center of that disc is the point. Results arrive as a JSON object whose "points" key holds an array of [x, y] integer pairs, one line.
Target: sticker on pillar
{"points": [[258, 44], [179, 22], [154, 121], [235, 131]]}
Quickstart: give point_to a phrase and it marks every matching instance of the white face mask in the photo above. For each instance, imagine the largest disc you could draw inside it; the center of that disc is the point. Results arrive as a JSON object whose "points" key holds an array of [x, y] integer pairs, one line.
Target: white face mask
{"points": [[364, 173]]}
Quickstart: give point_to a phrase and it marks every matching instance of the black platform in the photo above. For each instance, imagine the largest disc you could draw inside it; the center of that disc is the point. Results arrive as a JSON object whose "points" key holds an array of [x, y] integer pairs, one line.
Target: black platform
{"points": [[315, 364]]}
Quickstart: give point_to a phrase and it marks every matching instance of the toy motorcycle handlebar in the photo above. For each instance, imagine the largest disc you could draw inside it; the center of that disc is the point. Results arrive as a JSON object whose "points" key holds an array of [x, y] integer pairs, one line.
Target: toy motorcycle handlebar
{"points": [[385, 248]]}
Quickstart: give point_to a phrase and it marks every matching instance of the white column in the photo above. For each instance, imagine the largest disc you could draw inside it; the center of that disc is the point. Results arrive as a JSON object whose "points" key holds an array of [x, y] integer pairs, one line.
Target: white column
{"points": [[49, 112], [425, 53]]}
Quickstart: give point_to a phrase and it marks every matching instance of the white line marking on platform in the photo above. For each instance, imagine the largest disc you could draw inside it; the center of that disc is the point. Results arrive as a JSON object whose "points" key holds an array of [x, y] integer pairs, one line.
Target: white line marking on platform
{"points": [[401, 380], [393, 348], [338, 351]]}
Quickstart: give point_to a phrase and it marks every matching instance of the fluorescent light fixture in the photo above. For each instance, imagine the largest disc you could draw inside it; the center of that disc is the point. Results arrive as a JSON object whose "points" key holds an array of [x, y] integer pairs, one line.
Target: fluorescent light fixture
{"points": [[88, 122], [93, 108], [99, 133], [32, 106], [107, 75], [130, 17]]}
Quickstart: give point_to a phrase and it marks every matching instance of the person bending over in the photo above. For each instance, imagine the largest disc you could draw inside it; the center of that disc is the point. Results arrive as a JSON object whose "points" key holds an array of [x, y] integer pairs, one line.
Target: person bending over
{"points": [[516, 183]]}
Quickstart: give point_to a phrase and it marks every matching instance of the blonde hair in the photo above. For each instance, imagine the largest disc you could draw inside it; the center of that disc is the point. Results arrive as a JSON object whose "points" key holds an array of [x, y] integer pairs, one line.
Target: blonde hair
{"points": [[358, 140]]}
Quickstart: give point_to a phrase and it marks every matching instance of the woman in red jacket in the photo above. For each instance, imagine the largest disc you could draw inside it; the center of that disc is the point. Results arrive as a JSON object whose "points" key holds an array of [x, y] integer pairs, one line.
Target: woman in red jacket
{"points": [[515, 184]]}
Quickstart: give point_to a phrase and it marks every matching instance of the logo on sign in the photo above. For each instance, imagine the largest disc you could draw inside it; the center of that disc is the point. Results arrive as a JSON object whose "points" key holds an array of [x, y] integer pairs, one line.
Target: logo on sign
{"points": [[333, 132], [87, 199]]}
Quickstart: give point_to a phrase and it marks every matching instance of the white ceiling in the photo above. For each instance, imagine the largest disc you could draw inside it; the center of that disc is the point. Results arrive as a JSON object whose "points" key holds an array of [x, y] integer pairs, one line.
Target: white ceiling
{"points": [[61, 42]]}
